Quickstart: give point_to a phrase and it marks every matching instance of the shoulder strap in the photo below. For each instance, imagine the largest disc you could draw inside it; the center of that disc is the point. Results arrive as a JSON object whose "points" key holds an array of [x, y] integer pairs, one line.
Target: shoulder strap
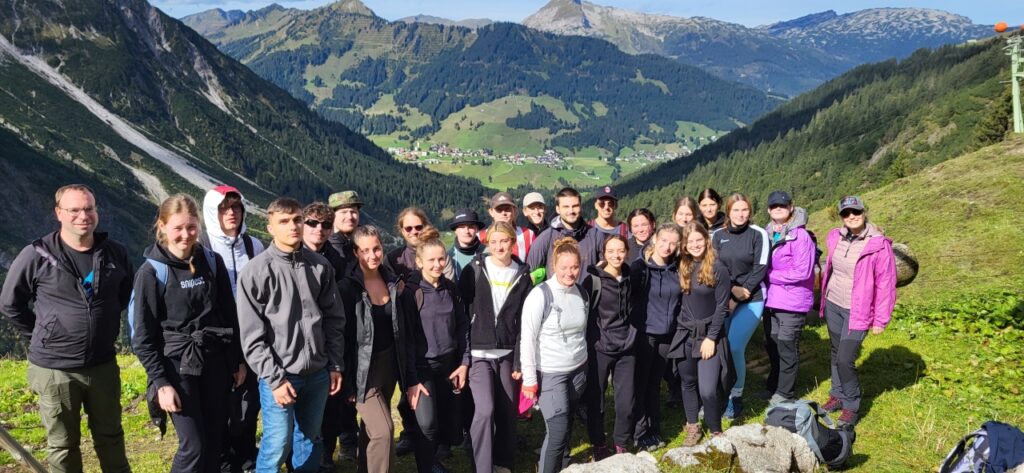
{"points": [[623, 231], [587, 301], [211, 261], [595, 291], [549, 299], [204, 239], [161, 286], [805, 420], [250, 249]]}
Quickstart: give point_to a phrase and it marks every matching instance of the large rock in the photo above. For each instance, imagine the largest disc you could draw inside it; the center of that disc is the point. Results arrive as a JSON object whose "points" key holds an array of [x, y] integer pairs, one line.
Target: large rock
{"points": [[642, 462], [906, 264], [753, 447]]}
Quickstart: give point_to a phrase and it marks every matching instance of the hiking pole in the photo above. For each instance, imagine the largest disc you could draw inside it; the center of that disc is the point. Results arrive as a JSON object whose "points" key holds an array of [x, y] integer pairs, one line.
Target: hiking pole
{"points": [[19, 453]]}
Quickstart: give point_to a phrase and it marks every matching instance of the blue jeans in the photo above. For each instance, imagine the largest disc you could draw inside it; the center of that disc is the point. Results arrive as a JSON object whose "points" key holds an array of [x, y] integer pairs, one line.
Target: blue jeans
{"points": [[739, 327], [293, 429]]}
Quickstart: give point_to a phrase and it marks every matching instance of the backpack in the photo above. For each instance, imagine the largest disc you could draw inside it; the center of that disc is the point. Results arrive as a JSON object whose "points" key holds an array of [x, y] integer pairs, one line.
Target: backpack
{"points": [[994, 448], [161, 282], [832, 446], [549, 299]]}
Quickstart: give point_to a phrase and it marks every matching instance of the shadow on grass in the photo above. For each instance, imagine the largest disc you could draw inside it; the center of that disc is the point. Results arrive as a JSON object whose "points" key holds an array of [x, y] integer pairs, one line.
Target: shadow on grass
{"points": [[888, 369]]}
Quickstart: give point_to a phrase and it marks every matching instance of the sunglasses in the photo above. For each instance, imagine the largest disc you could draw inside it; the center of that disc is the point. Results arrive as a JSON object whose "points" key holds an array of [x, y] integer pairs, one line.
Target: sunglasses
{"points": [[607, 203], [848, 212], [412, 228], [316, 223], [778, 206]]}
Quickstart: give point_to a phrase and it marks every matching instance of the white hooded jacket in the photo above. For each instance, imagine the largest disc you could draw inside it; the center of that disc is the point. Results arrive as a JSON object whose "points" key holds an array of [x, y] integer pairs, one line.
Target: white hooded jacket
{"points": [[231, 249]]}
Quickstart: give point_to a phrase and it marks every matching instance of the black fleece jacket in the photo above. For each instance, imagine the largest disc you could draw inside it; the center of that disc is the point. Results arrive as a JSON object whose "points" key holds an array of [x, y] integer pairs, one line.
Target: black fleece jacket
{"points": [[437, 322], [655, 296], [486, 332], [44, 300], [611, 328], [192, 300], [702, 314]]}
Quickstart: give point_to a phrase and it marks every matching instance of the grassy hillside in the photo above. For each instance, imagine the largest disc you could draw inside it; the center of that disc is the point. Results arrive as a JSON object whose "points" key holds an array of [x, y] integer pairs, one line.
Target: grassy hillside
{"points": [[949, 361], [864, 129]]}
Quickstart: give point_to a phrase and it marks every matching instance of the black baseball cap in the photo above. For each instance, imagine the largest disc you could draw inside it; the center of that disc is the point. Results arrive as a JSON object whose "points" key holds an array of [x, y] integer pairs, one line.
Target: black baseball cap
{"points": [[464, 216], [605, 192], [779, 198]]}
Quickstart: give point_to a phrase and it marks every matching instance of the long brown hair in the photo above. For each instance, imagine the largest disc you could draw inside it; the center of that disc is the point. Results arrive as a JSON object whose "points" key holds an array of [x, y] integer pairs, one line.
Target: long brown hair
{"points": [[687, 264]]}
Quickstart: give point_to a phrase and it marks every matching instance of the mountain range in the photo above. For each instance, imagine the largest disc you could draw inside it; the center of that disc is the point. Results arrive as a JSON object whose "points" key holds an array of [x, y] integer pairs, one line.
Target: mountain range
{"points": [[117, 95], [401, 82], [785, 58]]}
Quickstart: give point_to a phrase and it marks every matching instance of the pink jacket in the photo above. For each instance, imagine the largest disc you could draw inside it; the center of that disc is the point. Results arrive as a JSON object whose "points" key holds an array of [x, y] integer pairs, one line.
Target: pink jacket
{"points": [[874, 281]]}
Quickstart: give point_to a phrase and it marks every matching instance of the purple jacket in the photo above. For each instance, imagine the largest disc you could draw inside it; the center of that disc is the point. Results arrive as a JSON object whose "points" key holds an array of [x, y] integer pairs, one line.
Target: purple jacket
{"points": [[874, 281], [791, 271]]}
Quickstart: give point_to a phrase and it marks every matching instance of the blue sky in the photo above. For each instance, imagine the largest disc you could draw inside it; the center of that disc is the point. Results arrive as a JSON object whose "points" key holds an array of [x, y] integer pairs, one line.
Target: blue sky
{"points": [[747, 12]]}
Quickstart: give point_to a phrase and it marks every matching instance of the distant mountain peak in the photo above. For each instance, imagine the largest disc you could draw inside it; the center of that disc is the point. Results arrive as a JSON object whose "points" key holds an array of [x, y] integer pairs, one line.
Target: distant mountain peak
{"points": [[350, 7], [562, 16], [472, 23], [805, 21]]}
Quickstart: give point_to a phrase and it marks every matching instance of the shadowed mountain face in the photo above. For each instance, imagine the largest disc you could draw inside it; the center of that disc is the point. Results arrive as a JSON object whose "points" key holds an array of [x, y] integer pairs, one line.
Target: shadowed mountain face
{"points": [[785, 58], [117, 95], [386, 78]]}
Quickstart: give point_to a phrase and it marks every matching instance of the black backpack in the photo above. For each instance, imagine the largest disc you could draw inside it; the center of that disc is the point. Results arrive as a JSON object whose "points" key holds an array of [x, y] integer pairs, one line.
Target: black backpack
{"points": [[832, 446], [994, 448]]}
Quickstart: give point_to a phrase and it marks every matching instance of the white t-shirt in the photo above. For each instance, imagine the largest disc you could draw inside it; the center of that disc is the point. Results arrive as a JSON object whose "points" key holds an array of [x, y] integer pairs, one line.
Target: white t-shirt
{"points": [[501, 279]]}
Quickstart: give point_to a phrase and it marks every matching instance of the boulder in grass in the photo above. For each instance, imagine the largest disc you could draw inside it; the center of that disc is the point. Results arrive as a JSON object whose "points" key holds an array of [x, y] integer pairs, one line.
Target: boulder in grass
{"points": [[752, 448], [642, 462], [906, 264]]}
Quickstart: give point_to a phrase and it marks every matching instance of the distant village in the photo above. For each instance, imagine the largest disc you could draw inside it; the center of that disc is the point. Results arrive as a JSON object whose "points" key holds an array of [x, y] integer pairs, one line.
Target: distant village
{"points": [[436, 153]]}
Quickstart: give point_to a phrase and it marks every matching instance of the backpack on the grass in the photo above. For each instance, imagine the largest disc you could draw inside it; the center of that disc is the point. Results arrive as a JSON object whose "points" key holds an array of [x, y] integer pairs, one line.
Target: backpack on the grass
{"points": [[832, 446], [994, 448]]}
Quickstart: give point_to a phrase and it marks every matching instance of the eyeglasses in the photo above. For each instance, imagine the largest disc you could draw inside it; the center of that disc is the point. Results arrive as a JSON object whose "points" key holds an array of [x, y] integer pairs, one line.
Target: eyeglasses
{"points": [[848, 212], [78, 211], [412, 228], [316, 223], [607, 203]]}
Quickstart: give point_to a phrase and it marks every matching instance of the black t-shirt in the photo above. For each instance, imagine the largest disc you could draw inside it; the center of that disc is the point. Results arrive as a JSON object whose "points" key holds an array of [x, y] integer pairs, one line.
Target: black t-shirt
{"points": [[81, 264], [383, 333]]}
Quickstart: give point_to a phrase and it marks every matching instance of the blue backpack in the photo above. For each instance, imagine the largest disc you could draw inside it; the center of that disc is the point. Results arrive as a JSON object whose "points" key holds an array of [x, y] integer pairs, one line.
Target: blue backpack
{"points": [[994, 448], [161, 282], [832, 446]]}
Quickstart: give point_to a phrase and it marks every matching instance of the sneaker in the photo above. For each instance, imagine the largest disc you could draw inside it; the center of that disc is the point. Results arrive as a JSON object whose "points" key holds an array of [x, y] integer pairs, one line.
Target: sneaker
{"points": [[599, 452], [733, 409], [833, 404], [648, 443], [847, 418], [404, 445], [693, 435], [620, 449], [443, 452]]}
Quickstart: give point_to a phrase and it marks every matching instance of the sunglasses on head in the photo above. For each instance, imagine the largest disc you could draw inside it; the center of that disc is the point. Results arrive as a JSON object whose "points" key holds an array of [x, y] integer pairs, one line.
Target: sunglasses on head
{"points": [[848, 212], [316, 223], [412, 228]]}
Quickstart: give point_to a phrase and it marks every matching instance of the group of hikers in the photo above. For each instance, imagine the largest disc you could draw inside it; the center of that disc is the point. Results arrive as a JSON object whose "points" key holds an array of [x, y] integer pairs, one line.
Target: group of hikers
{"points": [[317, 328]]}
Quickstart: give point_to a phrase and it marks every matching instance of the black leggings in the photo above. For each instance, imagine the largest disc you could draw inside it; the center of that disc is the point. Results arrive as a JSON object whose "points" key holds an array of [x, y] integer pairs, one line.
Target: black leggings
{"points": [[202, 420], [623, 370], [429, 409], [700, 380]]}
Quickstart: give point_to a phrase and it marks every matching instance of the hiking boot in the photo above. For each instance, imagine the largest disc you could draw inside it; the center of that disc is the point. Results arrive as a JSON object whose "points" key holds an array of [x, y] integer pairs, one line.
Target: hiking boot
{"points": [[599, 452], [620, 449], [443, 452], [733, 409], [693, 435], [847, 418], [833, 404], [404, 445]]}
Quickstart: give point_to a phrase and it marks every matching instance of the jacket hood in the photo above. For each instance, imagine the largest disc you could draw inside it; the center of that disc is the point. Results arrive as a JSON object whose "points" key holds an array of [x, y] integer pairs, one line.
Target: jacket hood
{"points": [[598, 270], [210, 216], [578, 233], [657, 267], [719, 220], [799, 220], [159, 253], [871, 231]]}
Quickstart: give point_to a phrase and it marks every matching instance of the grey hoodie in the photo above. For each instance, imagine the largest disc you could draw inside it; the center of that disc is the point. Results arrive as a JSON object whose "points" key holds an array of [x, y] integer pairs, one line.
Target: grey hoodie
{"points": [[290, 315], [542, 248]]}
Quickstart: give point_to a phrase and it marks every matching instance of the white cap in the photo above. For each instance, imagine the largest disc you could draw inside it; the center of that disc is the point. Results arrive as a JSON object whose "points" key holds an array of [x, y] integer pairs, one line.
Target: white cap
{"points": [[533, 198]]}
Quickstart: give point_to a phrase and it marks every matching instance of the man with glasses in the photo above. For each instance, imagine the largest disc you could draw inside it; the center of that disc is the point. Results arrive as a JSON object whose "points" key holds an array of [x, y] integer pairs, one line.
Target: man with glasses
{"points": [[606, 224], [227, 235], [64, 294]]}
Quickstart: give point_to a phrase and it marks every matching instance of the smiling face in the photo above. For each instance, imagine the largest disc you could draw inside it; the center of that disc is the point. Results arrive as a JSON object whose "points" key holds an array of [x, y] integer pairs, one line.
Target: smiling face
{"points": [[641, 228], [615, 253], [739, 213], [696, 245], [503, 213], [77, 213], [500, 245], [535, 213], [286, 229], [567, 268], [315, 232], [369, 252], [605, 207], [180, 232], [709, 208], [683, 215], [431, 261], [346, 219], [568, 209], [780, 213], [412, 226], [465, 233], [853, 219]]}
